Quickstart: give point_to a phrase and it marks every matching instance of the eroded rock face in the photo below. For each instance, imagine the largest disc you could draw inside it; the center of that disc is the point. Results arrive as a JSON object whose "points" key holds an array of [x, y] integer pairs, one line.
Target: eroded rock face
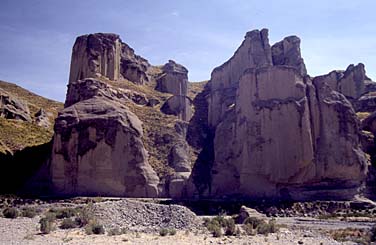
{"points": [[287, 52], [97, 147], [105, 55], [174, 79], [13, 108], [42, 119], [178, 105], [254, 52], [282, 135]]}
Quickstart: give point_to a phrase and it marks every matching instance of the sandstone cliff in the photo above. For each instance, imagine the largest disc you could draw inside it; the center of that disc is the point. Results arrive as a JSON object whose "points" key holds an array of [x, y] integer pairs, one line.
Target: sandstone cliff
{"points": [[277, 134], [105, 55]]}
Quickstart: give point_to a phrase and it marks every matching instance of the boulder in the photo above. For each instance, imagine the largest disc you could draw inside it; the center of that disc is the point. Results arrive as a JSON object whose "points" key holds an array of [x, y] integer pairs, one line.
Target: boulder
{"points": [[173, 80], [13, 108], [42, 119], [97, 146], [179, 158], [178, 105], [246, 212], [105, 55]]}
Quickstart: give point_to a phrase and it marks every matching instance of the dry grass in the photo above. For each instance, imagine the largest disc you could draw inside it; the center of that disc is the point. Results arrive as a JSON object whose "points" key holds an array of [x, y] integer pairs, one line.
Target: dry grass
{"points": [[195, 88], [16, 135], [362, 115]]}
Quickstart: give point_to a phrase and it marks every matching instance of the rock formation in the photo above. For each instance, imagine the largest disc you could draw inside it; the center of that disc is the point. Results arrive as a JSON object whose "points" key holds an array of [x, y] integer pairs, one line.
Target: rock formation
{"points": [[41, 118], [287, 52], [277, 133], [174, 80], [13, 108], [104, 55], [97, 147]]}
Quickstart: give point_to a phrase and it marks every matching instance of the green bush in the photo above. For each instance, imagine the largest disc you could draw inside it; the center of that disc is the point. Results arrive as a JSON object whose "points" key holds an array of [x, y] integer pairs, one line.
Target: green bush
{"points": [[115, 232], [84, 216], [266, 228], [172, 232], [68, 223], [163, 232], [217, 231], [65, 213], [46, 225], [29, 212], [10, 213], [249, 230], [230, 227], [253, 221], [94, 228]]}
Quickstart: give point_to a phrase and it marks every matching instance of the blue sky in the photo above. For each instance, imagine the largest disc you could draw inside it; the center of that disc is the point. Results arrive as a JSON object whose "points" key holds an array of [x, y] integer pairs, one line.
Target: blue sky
{"points": [[37, 35]]}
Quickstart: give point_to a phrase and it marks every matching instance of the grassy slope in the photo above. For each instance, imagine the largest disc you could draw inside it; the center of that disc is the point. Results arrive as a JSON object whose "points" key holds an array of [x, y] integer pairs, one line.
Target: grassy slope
{"points": [[15, 134]]}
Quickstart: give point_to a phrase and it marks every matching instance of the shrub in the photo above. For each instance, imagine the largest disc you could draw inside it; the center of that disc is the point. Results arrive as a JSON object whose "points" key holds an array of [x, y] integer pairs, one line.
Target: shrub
{"points": [[84, 216], [266, 228], [253, 221], [65, 213], [248, 228], [46, 225], [10, 213], [230, 227], [217, 231], [117, 231], [172, 232], [94, 228], [29, 212], [163, 232], [68, 223]]}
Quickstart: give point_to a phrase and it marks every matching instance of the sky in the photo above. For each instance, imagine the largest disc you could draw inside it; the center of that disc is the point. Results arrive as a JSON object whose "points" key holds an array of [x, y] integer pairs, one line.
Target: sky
{"points": [[37, 36]]}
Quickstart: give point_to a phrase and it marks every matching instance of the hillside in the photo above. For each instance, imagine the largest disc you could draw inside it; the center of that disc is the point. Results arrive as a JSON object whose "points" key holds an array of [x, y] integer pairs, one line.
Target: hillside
{"points": [[16, 134]]}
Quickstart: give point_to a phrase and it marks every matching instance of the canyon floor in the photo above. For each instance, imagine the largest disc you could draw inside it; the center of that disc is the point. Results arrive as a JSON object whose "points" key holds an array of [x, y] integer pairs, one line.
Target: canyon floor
{"points": [[141, 222]]}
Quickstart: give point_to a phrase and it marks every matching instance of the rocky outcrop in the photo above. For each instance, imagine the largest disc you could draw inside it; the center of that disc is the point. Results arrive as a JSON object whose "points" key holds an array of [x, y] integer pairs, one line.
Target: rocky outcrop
{"points": [[277, 133], [174, 80], [178, 105], [97, 147], [42, 119], [287, 52], [254, 52], [105, 55], [13, 108]]}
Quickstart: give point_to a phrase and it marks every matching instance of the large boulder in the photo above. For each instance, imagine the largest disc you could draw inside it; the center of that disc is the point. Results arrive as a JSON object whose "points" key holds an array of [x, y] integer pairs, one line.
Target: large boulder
{"points": [[105, 55], [282, 136], [13, 108], [97, 146]]}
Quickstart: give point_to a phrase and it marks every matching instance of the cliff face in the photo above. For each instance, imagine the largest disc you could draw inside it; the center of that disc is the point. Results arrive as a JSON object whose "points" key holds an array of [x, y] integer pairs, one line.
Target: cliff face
{"points": [[97, 147], [105, 55], [278, 134]]}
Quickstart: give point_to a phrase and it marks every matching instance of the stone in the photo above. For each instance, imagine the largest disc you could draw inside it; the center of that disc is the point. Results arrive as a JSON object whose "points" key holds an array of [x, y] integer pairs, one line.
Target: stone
{"points": [[13, 108], [179, 158], [97, 146], [246, 212], [178, 105], [366, 103], [42, 119], [287, 52], [133, 67], [351, 83], [316, 155], [254, 51], [104, 55], [173, 80]]}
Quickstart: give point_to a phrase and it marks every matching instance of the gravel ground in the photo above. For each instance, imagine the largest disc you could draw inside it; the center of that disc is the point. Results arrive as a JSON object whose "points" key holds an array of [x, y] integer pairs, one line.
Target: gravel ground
{"points": [[25, 231], [144, 217]]}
